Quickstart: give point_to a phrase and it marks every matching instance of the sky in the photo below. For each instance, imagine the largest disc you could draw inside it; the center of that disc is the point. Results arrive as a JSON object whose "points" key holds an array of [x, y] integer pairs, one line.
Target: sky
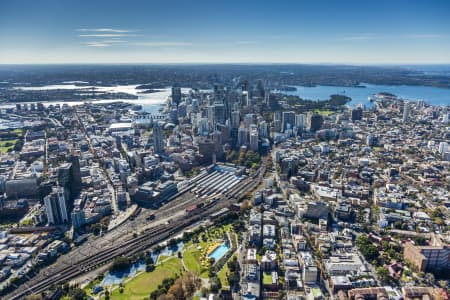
{"points": [[225, 31]]}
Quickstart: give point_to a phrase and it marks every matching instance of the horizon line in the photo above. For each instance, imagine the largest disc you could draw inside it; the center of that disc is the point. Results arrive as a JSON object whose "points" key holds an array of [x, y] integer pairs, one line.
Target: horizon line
{"points": [[230, 63]]}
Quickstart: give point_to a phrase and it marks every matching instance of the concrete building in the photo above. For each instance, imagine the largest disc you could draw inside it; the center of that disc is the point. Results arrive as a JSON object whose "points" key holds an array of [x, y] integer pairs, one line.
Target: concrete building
{"points": [[55, 207], [425, 258]]}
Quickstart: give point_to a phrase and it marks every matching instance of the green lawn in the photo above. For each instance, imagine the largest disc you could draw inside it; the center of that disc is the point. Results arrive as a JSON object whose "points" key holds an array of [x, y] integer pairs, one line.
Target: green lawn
{"points": [[192, 260], [324, 112], [18, 131], [3, 145], [192, 256], [142, 285], [162, 257], [224, 271]]}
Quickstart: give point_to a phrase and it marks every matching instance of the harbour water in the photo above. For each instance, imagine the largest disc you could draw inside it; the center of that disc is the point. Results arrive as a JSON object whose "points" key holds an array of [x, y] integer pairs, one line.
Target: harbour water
{"points": [[431, 95], [151, 102]]}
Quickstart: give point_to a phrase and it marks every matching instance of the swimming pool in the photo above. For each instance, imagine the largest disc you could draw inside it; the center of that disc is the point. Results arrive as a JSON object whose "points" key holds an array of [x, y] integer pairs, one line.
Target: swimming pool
{"points": [[219, 251]]}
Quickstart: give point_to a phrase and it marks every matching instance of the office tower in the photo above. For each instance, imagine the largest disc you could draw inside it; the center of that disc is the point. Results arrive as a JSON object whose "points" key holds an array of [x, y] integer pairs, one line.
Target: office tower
{"points": [[219, 113], [173, 115], [219, 93], [203, 126], [263, 129], [314, 121], [158, 138], [64, 174], [260, 92], [357, 114], [288, 118], [195, 105], [249, 119], [75, 186], [210, 114], [245, 100], [78, 218], [206, 147], [55, 207], [182, 110], [242, 136], [405, 112], [445, 117], [176, 96], [225, 132], [235, 119], [245, 86], [254, 140], [300, 121]]}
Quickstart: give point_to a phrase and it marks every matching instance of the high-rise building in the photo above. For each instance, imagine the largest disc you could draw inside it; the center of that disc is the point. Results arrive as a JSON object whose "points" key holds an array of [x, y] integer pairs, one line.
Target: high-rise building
{"points": [[219, 113], [245, 99], [158, 138], [263, 129], [242, 136], [203, 126], [75, 186], [288, 119], [357, 114], [56, 207], [254, 140], [249, 119], [235, 119], [176, 96], [405, 112], [78, 218], [314, 121], [300, 121]]}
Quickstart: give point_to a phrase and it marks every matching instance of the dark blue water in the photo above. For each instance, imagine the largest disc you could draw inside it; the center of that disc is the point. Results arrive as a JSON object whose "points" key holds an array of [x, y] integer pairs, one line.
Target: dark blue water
{"points": [[431, 95]]}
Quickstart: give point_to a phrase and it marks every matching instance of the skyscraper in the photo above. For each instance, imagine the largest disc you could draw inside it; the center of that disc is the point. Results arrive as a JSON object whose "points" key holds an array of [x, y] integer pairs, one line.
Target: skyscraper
{"points": [[158, 138], [242, 136], [405, 112], [75, 185], [235, 119], [219, 113], [254, 140], [55, 207], [176, 96], [288, 119], [314, 121]]}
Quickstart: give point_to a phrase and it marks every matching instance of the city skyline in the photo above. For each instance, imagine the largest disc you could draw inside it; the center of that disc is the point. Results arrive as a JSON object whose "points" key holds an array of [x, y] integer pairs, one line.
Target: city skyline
{"points": [[345, 32]]}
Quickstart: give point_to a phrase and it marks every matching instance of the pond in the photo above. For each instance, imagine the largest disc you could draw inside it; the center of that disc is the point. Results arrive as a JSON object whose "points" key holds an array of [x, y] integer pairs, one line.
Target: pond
{"points": [[116, 278]]}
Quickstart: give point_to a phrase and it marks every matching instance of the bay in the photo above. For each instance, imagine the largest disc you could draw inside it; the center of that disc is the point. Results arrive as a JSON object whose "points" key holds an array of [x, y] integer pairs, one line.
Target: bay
{"points": [[431, 95]]}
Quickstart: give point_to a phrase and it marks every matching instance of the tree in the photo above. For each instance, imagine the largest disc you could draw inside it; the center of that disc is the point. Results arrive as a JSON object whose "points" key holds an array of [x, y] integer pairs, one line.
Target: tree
{"points": [[120, 264], [77, 294], [383, 274], [176, 290]]}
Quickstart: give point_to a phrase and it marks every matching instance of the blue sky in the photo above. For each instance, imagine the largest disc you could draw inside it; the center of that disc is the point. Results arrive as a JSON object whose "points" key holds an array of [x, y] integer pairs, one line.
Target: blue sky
{"points": [[198, 31]]}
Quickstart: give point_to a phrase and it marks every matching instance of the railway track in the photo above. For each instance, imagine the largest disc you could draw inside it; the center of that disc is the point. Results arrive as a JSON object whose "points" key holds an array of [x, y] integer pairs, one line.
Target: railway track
{"points": [[132, 246]]}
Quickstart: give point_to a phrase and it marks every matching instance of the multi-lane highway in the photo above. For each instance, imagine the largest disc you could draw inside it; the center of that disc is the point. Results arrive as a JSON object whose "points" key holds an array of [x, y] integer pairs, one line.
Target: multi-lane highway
{"points": [[121, 242]]}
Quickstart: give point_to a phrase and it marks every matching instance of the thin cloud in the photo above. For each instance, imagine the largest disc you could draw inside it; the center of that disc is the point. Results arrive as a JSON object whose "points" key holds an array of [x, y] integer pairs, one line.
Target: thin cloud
{"points": [[106, 35], [246, 42], [111, 30], [163, 44], [97, 44]]}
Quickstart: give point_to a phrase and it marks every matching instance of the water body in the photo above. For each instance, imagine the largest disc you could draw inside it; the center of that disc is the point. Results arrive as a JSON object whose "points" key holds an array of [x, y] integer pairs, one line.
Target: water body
{"points": [[150, 102], [219, 251], [431, 95], [119, 277]]}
